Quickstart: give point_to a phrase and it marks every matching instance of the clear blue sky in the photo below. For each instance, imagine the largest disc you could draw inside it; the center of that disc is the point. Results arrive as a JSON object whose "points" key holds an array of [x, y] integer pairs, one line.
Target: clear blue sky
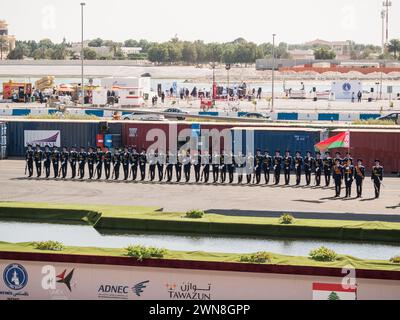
{"points": [[212, 20]]}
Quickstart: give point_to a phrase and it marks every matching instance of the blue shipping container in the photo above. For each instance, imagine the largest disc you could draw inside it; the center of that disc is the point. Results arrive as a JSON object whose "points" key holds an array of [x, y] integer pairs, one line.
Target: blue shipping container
{"points": [[248, 139], [71, 133]]}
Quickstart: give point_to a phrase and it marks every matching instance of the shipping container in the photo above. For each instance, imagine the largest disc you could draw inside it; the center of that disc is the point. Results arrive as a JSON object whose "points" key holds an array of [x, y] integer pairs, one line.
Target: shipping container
{"points": [[3, 152], [71, 133], [3, 140], [370, 145], [273, 139]]}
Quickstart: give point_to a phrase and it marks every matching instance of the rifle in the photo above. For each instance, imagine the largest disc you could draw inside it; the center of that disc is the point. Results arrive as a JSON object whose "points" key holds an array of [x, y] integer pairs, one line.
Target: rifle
{"points": [[26, 166], [254, 174], [113, 173]]}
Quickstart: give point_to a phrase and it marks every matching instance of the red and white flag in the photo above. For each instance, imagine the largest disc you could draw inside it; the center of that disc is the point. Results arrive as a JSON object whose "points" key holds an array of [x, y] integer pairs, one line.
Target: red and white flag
{"points": [[325, 291]]}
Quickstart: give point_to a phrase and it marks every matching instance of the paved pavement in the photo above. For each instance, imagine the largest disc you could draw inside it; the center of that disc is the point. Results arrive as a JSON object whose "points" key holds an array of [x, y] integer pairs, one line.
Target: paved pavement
{"points": [[225, 199]]}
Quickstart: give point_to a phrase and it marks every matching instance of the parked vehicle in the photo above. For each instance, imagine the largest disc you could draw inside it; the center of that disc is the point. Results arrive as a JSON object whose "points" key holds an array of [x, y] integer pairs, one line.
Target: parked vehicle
{"points": [[395, 117], [144, 117], [177, 111], [256, 115]]}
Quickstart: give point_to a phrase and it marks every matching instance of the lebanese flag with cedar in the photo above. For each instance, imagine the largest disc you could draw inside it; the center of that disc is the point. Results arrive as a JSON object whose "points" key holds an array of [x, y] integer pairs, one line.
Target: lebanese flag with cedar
{"points": [[340, 141], [325, 291]]}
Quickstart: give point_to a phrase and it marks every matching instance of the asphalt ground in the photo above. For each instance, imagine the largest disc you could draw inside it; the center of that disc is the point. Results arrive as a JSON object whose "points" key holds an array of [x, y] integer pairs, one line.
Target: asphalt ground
{"points": [[242, 200]]}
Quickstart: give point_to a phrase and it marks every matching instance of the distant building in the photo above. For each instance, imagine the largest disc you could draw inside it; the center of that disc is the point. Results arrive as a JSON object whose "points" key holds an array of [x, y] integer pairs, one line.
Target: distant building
{"points": [[341, 48], [9, 43], [131, 50], [102, 51], [298, 54]]}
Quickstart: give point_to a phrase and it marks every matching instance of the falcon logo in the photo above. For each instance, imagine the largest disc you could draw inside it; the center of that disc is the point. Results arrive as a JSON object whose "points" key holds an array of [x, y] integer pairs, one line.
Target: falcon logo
{"points": [[66, 279], [138, 289]]}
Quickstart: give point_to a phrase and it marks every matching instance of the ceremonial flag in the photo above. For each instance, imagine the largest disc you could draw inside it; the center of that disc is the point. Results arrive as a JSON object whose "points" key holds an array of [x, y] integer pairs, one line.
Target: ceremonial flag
{"points": [[324, 291], [340, 141]]}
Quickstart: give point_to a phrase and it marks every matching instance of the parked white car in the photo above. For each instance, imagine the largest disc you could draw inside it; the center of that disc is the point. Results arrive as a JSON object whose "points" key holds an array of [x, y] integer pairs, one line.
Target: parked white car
{"points": [[144, 117]]}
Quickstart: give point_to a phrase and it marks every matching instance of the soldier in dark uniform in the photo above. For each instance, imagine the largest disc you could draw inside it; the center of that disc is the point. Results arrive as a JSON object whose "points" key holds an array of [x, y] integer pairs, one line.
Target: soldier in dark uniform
{"points": [[216, 161], [29, 155], [99, 162], [223, 168], [134, 164], [338, 177], [196, 162], [82, 158], [64, 162], [126, 157], [328, 165], [161, 160], [206, 159], [287, 167], [377, 177], [347, 158], [142, 164], [250, 165], [240, 166], [178, 167], [277, 167], [38, 157], [338, 156], [348, 177], [116, 161], [152, 164], [258, 163], [359, 175], [231, 167], [107, 162], [267, 162], [91, 159], [187, 166], [47, 161], [55, 159], [319, 167], [73, 159], [308, 166], [298, 167], [170, 165]]}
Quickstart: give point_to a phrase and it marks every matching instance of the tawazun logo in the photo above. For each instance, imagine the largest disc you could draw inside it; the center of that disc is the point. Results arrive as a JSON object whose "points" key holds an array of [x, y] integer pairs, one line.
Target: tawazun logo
{"points": [[15, 277]]}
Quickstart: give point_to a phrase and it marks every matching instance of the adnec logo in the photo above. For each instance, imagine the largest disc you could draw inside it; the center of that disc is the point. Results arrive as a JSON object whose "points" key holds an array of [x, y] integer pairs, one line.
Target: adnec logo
{"points": [[15, 277], [346, 87]]}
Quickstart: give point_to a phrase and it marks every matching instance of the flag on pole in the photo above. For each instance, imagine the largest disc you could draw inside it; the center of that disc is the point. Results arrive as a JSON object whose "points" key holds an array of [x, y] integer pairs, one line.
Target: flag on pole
{"points": [[340, 141]]}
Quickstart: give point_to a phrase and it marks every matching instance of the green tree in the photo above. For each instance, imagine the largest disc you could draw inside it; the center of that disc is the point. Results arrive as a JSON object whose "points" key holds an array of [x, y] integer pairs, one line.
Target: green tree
{"points": [[323, 53], [158, 53], [229, 54], [189, 53], [201, 51], [131, 43], [46, 43], [89, 54], [96, 43], [3, 46], [174, 51], [17, 54], [394, 47], [333, 297]]}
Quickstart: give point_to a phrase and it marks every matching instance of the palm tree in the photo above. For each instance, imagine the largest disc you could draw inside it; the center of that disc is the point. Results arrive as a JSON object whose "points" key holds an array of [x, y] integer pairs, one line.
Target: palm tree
{"points": [[3, 46], [394, 47]]}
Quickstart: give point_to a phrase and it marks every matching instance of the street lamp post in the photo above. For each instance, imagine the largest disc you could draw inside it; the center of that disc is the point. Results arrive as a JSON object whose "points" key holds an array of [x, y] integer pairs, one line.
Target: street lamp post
{"points": [[82, 57], [228, 67], [273, 73]]}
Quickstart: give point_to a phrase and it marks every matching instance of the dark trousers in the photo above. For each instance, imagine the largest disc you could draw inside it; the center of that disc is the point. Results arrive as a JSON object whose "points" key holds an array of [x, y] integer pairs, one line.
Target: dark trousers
{"points": [[206, 173], [142, 168], [298, 176], [107, 169], [152, 170], [29, 165], [170, 170], [308, 176], [338, 187], [377, 187], [73, 169], [126, 171], [277, 176], [287, 176], [215, 173], [223, 174], [231, 172], [359, 184], [64, 169], [38, 165], [160, 168], [258, 175], [178, 171], [267, 175], [117, 166], [55, 169], [248, 178], [318, 175], [134, 170], [91, 170], [99, 169], [187, 168], [328, 174], [349, 184], [197, 169], [81, 170]]}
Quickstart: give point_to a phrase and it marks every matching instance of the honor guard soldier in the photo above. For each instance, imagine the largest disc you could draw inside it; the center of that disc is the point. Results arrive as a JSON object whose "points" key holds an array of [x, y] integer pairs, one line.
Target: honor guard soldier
{"points": [[347, 158], [29, 155], [151, 158], [267, 162], [47, 161], [328, 165], [277, 167], [240, 166], [308, 165], [338, 177], [223, 168], [99, 162], [206, 159], [82, 158], [170, 160], [187, 166], [64, 158], [298, 167], [348, 177], [116, 161], [134, 163], [250, 161], [178, 167], [216, 161], [338, 156], [319, 167], [126, 156], [55, 159], [258, 163], [359, 175], [231, 167], [107, 163], [287, 167], [73, 159], [196, 162], [38, 157], [91, 159], [142, 164], [377, 177], [161, 161]]}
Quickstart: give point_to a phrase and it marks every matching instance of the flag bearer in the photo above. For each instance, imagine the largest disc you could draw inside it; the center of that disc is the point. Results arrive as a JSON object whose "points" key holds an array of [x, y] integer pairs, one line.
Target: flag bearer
{"points": [[29, 155], [328, 165], [338, 177], [319, 167], [348, 177], [377, 177], [64, 157], [359, 175], [38, 156]]}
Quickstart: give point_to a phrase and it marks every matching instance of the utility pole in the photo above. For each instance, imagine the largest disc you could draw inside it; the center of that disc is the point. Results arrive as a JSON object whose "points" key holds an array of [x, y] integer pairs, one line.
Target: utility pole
{"points": [[82, 57], [387, 4], [228, 67], [273, 73], [383, 15]]}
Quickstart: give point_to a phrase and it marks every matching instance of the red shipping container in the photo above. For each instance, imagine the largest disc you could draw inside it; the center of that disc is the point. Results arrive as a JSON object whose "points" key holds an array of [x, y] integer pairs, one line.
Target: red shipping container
{"points": [[100, 141]]}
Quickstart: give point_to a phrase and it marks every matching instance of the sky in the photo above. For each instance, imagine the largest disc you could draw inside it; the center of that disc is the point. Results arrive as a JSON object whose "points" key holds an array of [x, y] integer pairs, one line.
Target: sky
{"points": [[293, 21]]}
